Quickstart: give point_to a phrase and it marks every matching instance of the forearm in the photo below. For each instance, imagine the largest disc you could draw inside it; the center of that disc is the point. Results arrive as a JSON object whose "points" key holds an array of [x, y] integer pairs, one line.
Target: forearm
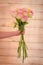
{"points": [[9, 34]]}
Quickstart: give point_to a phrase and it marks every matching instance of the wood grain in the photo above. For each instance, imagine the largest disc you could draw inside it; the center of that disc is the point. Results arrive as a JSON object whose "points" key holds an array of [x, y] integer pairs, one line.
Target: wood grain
{"points": [[33, 33]]}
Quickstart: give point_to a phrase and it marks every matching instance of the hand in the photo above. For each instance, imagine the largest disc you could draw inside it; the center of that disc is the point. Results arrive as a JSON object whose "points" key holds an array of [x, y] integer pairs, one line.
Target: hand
{"points": [[22, 32]]}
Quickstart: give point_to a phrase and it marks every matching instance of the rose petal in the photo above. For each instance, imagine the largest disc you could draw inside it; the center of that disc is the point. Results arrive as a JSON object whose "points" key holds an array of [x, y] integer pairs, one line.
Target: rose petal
{"points": [[24, 18]]}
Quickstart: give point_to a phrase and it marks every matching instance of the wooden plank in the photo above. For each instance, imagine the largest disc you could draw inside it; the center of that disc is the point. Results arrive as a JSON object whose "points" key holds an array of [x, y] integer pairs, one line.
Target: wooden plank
{"points": [[33, 34]]}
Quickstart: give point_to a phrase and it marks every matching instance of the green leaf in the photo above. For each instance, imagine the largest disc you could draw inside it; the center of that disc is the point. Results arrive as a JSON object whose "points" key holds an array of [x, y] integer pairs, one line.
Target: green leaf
{"points": [[15, 24], [18, 20], [25, 23], [19, 52], [21, 28]]}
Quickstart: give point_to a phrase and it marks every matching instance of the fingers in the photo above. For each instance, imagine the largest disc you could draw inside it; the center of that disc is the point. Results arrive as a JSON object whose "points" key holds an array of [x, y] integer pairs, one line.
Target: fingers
{"points": [[23, 32]]}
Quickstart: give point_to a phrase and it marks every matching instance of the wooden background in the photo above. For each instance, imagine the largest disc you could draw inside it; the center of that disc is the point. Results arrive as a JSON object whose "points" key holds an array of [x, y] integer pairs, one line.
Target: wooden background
{"points": [[33, 34]]}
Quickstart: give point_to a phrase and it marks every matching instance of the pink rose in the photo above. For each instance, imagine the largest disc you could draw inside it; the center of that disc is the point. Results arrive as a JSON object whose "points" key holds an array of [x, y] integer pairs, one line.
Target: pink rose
{"points": [[24, 18], [25, 11], [19, 15], [31, 12], [20, 11]]}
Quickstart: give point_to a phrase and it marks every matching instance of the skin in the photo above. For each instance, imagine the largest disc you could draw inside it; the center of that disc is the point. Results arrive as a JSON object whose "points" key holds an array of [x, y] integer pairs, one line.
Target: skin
{"points": [[9, 34]]}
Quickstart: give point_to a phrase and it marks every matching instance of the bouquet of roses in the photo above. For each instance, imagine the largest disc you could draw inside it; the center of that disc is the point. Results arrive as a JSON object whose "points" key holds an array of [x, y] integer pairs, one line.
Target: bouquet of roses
{"points": [[21, 15]]}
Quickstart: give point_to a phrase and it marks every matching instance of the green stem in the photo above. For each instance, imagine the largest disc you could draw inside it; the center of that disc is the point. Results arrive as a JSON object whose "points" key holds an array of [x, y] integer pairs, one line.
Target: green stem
{"points": [[23, 47], [19, 47]]}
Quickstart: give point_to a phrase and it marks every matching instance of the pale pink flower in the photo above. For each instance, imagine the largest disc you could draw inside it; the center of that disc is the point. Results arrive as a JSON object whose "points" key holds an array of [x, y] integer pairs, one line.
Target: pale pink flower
{"points": [[22, 13], [31, 12], [24, 9], [19, 15], [20, 10], [25, 12], [24, 18]]}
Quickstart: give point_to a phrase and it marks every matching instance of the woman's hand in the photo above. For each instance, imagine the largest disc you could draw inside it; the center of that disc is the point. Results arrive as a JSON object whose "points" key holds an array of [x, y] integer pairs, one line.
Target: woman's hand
{"points": [[4, 34]]}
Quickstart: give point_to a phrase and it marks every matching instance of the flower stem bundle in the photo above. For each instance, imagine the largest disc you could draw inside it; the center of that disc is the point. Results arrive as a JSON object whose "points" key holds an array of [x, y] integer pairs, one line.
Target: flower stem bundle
{"points": [[21, 15]]}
